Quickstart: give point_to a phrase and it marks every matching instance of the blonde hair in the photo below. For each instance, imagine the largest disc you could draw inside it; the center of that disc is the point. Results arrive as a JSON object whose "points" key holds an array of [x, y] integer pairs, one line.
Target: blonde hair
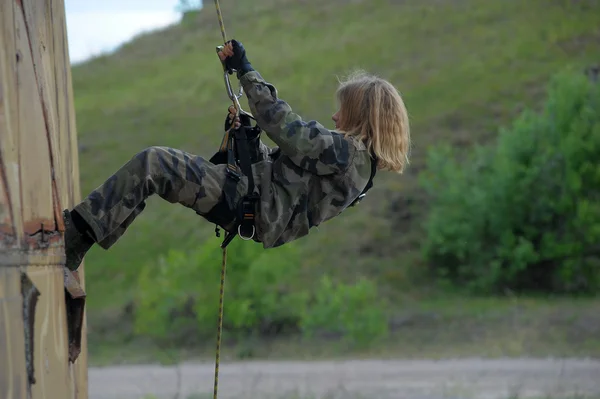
{"points": [[372, 111]]}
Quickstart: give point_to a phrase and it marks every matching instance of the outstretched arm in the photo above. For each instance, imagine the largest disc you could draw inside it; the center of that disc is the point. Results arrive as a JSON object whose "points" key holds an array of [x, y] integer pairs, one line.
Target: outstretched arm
{"points": [[309, 145]]}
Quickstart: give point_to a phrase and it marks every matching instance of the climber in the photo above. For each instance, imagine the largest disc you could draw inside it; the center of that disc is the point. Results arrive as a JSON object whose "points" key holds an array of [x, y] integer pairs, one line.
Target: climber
{"points": [[311, 176]]}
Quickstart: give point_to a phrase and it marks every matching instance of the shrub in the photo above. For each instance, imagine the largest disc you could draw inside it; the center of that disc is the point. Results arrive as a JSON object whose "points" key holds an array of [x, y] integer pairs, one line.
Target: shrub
{"points": [[523, 214], [178, 298], [354, 312]]}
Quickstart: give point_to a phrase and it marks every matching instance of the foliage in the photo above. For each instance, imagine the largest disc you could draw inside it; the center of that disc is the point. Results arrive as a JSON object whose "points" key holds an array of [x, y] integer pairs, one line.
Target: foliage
{"points": [[456, 76], [181, 293], [458, 79], [178, 298], [355, 312], [524, 214]]}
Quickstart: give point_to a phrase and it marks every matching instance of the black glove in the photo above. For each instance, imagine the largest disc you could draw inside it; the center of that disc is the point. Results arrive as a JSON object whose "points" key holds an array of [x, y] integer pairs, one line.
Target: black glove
{"points": [[238, 60]]}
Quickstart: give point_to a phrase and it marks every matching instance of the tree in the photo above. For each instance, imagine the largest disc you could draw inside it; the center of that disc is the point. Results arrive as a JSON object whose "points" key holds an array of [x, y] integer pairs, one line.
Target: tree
{"points": [[185, 6]]}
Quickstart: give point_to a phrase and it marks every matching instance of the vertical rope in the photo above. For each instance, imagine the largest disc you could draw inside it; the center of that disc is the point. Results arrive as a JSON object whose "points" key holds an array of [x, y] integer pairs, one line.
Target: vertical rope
{"points": [[224, 35], [220, 322], [218, 7], [224, 264]]}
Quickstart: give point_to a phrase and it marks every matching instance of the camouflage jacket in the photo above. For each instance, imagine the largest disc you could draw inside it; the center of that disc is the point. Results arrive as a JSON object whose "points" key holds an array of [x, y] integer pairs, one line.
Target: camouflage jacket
{"points": [[311, 176]]}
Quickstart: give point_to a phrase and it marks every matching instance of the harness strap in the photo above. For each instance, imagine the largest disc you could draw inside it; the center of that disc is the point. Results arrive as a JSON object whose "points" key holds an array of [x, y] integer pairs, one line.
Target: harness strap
{"points": [[238, 153], [369, 183], [246, 229], [243, 153], [233, 176]]}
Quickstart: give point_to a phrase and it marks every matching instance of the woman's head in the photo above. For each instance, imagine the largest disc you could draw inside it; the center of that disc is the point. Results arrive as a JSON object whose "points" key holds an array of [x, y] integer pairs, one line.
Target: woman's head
{"points": [[372, 110]]}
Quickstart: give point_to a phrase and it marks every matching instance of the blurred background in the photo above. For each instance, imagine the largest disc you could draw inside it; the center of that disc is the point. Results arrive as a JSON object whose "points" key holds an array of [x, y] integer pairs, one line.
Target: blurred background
{"points": [[487, 246]]}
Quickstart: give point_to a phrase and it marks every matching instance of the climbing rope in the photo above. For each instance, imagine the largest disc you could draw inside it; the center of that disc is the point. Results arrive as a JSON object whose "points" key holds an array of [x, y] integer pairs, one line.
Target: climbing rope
{"points": [[226, 72], [220, 322], [220, 16], [227, 145], [224, 263]]}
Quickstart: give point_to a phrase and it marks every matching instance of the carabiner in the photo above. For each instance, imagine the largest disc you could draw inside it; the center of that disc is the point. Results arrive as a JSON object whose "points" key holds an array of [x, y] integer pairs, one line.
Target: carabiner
{"points": [[230, 93]]}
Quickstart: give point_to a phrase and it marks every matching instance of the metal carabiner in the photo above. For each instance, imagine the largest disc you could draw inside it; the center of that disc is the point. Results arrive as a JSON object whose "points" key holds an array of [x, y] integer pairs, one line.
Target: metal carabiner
{"points": [[230, 93]]}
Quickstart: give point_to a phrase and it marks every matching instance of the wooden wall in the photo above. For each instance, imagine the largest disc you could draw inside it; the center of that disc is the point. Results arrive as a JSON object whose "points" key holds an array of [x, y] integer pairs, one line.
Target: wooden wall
{"points": [[39, 177]]}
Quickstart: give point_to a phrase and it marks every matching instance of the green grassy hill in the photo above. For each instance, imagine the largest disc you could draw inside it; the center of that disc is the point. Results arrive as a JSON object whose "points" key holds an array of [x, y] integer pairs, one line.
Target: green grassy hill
{"points": [[464, 67]]}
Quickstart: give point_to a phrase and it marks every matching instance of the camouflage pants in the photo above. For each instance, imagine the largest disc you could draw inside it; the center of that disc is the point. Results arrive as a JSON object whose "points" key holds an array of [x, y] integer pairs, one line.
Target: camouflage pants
{"points": [[176, 176]]}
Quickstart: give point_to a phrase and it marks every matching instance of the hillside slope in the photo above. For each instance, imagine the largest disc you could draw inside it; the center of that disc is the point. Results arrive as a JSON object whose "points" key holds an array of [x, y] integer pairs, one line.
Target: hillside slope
{"points": [[463, 67]]}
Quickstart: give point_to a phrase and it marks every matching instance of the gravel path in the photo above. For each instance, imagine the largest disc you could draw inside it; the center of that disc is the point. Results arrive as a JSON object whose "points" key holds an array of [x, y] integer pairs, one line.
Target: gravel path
{"points": [[373, 379]]}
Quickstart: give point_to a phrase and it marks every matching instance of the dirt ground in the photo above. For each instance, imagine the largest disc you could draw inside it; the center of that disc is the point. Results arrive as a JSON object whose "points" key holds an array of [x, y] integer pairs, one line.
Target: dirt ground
{"points": [[373, 379]]}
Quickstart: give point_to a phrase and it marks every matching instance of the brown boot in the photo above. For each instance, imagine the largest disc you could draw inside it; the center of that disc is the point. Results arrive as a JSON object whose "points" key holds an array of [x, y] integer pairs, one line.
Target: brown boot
{"points": [[76, 243]]}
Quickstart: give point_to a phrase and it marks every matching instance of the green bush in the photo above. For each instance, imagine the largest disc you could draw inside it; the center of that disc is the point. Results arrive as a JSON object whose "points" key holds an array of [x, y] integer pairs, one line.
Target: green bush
{"points": [[179, 297], [524, 214], [354, 312], [264, 294]]}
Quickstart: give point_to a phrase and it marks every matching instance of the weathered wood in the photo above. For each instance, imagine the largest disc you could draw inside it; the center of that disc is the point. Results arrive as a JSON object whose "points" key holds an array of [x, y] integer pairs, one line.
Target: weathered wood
{"points": [[39, 176], [67, 143], [36, 183], [9, 128], [66, 105], [38, 21], [13, 378], [51, 346], [56, 44]]}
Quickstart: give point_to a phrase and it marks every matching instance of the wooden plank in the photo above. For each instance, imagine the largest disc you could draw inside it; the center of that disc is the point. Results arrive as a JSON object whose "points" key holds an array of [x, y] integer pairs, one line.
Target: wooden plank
{"points": [[63, 100], [38, 21], [67, 116], [41, 132], [7, 229], [36, 183], [51, 338], [10, 192], [69, 151], [13, 378]]}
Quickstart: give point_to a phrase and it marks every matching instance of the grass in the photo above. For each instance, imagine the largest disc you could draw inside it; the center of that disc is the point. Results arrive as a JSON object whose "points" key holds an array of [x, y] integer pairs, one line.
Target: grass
{"points": [[429, 329], [464, 67]]}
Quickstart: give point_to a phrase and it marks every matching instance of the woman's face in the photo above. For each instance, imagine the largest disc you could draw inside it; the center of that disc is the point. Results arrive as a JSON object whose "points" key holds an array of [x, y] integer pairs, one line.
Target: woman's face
{"points": [[336, 118]]}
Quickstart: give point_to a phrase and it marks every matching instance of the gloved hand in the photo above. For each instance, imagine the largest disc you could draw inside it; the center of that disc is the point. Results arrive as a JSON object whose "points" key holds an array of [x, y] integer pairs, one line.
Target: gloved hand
{"points": [[234, 55], [252, 135], [240, 120]]}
